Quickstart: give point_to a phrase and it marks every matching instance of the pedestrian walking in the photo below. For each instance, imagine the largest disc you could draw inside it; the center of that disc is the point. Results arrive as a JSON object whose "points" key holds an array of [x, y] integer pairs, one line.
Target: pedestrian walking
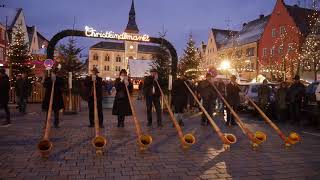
{"points": [[152, 96], [99, 93], [4, 95], [23, 91], [179, 100], [233, 98], [296, 94], [121, 104], [57, 103], [208, 96]]}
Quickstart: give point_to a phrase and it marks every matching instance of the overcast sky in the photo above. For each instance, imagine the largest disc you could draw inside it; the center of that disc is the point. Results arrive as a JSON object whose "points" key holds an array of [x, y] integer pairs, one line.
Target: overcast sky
{"points": [[178, 17]]}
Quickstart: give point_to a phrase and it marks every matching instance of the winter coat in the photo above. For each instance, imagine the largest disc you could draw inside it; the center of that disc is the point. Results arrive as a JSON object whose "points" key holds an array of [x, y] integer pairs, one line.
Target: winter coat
{"points": [[23, 88], [233, 96], [179, 93], [281, 97], [264, 94], [121, 105], [4, 89], [57, 102], [296, 93], [88, 84], [206, 91], [149, 84]]}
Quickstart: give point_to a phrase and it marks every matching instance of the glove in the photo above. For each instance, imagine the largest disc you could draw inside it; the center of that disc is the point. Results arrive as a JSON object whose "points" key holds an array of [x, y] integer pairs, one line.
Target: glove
{"points": [[53, 77], [126, 82], [94, 77]]}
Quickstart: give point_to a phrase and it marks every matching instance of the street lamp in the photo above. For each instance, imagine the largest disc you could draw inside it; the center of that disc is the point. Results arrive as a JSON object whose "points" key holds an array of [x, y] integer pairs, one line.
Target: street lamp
{"points": [[225, 65]]}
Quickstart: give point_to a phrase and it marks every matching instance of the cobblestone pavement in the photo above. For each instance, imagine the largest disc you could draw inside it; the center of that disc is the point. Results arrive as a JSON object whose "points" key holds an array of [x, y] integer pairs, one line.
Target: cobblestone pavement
{"points": [[73, 156]]}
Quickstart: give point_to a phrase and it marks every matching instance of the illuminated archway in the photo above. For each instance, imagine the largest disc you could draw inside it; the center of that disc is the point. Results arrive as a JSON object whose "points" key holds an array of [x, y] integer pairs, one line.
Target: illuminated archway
{"points": [[65, 33]]}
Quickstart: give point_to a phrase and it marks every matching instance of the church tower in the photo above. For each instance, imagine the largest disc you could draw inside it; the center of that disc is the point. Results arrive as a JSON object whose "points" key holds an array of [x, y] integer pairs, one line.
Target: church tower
{"points": [[131, 48]]}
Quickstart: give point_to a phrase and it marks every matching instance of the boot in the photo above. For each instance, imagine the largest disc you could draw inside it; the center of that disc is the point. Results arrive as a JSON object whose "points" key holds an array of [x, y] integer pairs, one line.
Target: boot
{"points": [[122, 122], [119, 122]]}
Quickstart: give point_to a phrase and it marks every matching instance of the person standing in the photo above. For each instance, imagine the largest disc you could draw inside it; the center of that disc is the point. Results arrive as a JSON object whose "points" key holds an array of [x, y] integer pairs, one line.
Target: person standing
{"points": [[121, 104], [208, 96], [23, 91], [57, 103], [222, 89], [281, 99], [99, 93], [233, 98], [152, 95], [4, 95], [179, 98], [264, 93], [140, 93], [296, 94]]}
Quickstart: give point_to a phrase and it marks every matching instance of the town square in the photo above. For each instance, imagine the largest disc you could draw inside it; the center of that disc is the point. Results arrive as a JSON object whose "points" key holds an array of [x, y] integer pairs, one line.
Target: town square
{"points": [[139, 89]]}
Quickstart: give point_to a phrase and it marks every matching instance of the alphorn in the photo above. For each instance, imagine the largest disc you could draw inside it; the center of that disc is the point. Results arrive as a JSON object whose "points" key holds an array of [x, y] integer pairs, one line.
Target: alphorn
{"points": [[293, 137], [143, 140], [187, 140], [45, 145], [257, 138], [226, 138], [99, 142]]}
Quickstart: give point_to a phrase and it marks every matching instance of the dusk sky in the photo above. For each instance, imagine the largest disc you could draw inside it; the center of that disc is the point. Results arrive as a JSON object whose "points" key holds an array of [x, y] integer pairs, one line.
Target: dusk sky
{"points": [[178, 17]]}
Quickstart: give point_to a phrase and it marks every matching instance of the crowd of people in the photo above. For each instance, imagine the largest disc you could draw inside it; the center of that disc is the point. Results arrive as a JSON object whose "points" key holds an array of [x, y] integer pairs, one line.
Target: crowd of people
{"points": [[288, 99]]}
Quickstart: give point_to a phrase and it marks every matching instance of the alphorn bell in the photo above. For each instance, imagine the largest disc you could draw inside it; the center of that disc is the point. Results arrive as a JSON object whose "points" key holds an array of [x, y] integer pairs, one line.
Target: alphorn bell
{"points": [[293, 137], [187, 140], [143, 140], [99, 142], [226, 138], [257, 138], [45, 145]]}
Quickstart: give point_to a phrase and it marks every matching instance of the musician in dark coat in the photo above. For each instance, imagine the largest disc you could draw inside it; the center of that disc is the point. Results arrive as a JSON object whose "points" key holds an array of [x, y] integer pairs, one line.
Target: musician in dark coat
{"points": [[4, 95], [57, 103], [121, 104], [23, 91], [99, 93], [233, 99], [179, 98], [152, 95], [208, 96], [296, 94]]}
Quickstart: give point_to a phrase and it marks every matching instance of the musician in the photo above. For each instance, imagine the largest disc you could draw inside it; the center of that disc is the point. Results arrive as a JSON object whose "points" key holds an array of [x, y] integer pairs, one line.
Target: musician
{"points": [[89, 85], [4, 95], [152, 95], [233, 99], [208, 96], [121, 105], [179, 98], [57, 103]]}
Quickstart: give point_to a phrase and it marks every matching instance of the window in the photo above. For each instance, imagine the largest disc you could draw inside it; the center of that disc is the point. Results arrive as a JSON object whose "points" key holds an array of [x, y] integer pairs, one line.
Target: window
{"points": [[118, 68], [94, 66], [1, 54], [107, 58], [274, 33], [250, 52], [264, 52], [281, 49], [290, 47], [105, 68], [95, 57], [272, 50], [118, 59], [108, 68], [282, 30]]}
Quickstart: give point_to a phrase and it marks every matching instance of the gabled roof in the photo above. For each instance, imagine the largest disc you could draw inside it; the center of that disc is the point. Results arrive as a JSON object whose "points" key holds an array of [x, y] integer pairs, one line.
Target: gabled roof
{"points": [[30, 31], [132, 26], [109, 45], [222, 36], [8, 16], [250, 32], [42, 40], [302, 17]]}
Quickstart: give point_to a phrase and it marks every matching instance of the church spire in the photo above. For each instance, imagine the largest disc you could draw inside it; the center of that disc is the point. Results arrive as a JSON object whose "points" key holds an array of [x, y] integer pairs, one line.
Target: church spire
{"points": [[132, 25]]}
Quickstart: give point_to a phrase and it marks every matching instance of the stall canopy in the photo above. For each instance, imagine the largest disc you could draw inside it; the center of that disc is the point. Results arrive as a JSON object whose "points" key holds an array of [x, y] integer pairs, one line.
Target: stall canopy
{"points": [[139, 68]]}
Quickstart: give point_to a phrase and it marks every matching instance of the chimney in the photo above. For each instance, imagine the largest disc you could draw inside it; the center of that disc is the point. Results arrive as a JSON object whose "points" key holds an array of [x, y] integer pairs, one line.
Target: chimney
{"points": [[244, 24], [261, 16]]}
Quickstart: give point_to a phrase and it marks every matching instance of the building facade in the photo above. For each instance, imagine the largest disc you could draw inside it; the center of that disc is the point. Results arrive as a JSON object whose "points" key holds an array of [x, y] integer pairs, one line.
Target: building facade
{"points": [[282, 39], [3, 45], [112, 56]]}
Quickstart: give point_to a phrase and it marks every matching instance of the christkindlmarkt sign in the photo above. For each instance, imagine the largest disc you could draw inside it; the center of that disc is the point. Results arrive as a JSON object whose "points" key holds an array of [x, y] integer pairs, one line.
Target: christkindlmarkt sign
{"points": [[90, 32]]}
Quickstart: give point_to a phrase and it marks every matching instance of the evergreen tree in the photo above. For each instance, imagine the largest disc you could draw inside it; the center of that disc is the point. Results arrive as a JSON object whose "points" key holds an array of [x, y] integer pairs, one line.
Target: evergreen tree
{"points": [[20, 59], [190, 61], [162, 64], [68, 55]]}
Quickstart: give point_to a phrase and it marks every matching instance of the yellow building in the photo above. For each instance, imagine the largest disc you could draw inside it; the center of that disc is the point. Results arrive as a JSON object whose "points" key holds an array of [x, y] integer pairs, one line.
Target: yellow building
{"points": [[112, 56]]}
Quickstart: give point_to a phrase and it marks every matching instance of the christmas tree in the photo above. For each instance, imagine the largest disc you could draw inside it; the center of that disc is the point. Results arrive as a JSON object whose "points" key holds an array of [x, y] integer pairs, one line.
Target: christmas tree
{"points": [[162, 64], [68, 56], [190, 61], [20, 59]]}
